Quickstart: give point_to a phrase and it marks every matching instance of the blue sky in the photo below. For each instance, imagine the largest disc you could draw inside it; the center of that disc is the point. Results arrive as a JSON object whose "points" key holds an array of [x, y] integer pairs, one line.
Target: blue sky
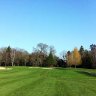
{"points": [[63, 23]]}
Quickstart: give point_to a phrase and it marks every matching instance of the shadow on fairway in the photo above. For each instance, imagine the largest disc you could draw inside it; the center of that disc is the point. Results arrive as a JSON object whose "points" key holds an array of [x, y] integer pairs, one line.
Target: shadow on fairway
{"points": [[60, 68], [87, 73]]}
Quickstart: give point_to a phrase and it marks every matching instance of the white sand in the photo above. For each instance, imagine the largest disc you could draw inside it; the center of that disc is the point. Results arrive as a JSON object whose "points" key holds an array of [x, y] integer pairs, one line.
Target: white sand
{"points": [[4, 68], [41, 67], [47, 68]]}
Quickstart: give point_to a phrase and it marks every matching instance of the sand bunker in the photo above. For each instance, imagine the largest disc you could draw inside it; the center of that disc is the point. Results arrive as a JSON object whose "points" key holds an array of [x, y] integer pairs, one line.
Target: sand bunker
{"points": [[41, 67], [4, 68], [47, 68]]}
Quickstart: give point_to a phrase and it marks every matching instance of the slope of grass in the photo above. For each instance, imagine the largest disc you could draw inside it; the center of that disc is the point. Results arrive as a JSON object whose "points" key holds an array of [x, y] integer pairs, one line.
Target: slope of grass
{"points": [[23, 81]]}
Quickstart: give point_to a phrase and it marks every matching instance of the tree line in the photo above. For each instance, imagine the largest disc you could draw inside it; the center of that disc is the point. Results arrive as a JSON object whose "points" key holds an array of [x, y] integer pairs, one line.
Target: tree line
{"points": [[45, 56]]}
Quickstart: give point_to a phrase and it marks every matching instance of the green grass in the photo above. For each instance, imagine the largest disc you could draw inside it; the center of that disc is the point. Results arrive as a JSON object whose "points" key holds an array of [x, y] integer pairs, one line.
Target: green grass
{"points": [[24, 81]]}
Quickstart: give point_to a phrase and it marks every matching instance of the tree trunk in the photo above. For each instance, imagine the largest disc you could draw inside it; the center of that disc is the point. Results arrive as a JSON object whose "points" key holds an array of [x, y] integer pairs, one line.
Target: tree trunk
{"points": [[25, 62], [75, 66], [12, 64], [5, 64]]}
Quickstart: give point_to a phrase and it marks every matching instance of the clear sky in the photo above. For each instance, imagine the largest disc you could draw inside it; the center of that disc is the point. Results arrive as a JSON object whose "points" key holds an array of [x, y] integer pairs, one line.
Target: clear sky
{"points": [[63, 23]]}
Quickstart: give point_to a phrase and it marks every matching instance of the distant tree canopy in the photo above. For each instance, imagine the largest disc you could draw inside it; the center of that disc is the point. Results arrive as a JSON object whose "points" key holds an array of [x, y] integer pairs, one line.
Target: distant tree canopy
{"points": [[76, 57], [93, 54], [73, 58], [69, 58], [44, 55], [51, 60]]}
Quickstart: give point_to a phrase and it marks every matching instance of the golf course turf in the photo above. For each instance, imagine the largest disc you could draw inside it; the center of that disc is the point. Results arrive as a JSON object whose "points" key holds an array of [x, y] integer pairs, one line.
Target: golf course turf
{"points": [[25, 81]]}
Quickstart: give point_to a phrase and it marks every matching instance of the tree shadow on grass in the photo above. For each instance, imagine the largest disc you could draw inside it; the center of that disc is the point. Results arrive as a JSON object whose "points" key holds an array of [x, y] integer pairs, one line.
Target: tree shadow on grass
{"points": [[61, 68], [87, 73]]}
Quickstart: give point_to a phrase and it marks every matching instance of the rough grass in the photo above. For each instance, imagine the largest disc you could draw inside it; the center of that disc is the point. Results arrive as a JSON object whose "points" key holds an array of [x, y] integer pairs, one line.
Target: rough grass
{"points": [[23, 81]]}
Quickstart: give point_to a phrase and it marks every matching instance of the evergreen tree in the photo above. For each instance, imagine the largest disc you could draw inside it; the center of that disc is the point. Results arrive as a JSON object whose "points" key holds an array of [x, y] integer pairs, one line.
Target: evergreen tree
{"points": [[81, 51], [50, 61]]}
